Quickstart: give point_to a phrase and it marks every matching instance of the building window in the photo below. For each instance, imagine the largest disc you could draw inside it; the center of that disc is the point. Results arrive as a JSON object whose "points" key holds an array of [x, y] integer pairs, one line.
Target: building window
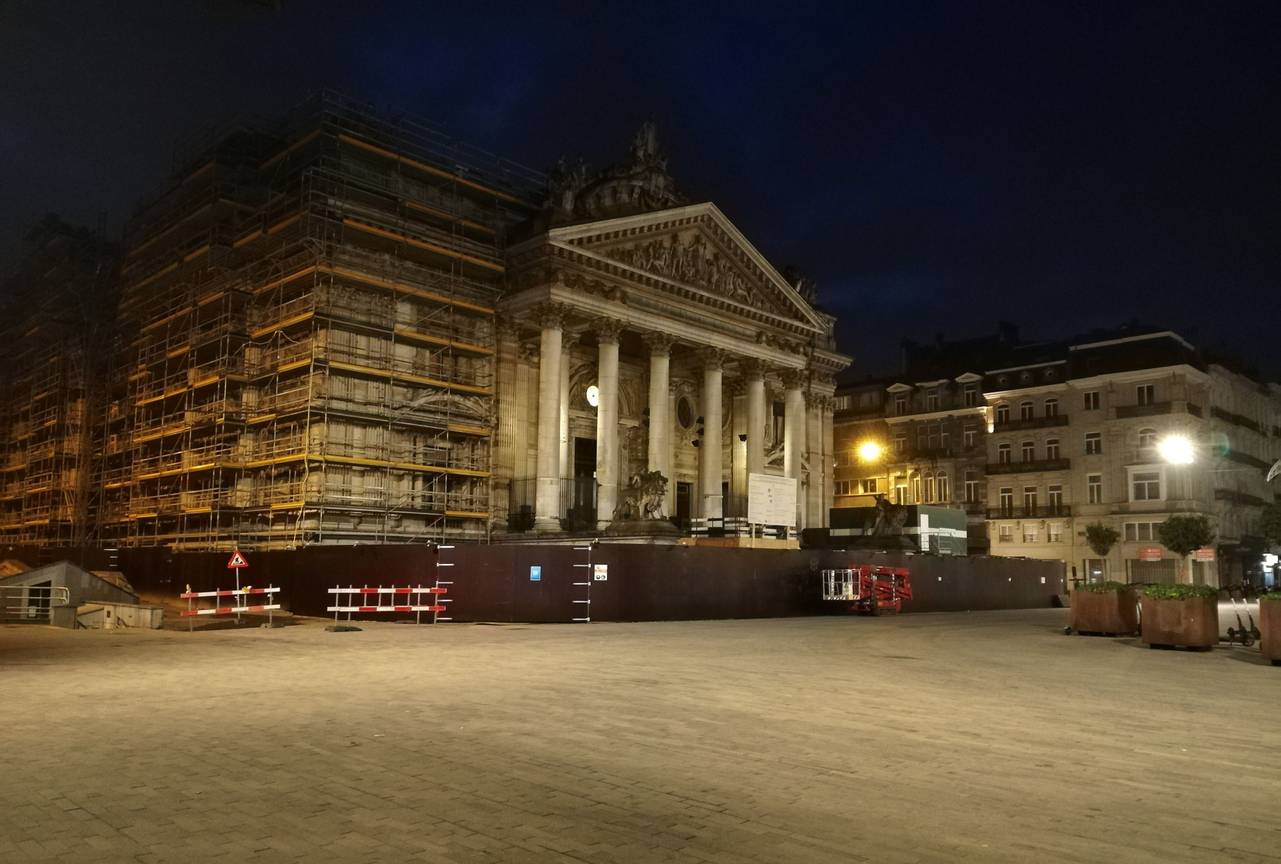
{"points": [[1054, 497], [1029, 451], [1147, 439], [1002, 413], [1054, 532], [1052, 448], [944, 488], [842, 487], [1029, 500], [1005, 534], [916, 489], [945, 438], [1145, 394], [900, 489], [1094, 488], [1003, 453], [971, 395], [900, 443], [932, 400], [868, 485], [1029, 532], [1137, 532], [970, 435], [1145, 486], [1026, 411], [972, 487], [1007, 500], [929, 487], [1091, 400], [900, 404], [1051, 407], [1093, 443]]}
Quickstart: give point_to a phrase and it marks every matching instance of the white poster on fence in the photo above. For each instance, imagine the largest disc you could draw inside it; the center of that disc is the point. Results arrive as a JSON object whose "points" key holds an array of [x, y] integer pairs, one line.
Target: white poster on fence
{"points": [[771, 500]]}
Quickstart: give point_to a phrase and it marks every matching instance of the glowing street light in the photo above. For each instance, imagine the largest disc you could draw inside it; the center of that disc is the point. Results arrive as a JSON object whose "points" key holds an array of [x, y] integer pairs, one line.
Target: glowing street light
{"points": [[869, 451], [1176, 449]]}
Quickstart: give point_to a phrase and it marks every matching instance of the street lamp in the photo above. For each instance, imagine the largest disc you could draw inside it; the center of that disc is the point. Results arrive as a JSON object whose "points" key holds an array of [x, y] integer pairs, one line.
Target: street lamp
{"points": [[1176, 450], [869, 451]]}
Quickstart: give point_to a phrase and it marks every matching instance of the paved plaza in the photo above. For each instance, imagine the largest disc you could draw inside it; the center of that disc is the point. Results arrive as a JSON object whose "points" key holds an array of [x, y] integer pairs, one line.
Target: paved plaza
{"points": [[945, 737]]}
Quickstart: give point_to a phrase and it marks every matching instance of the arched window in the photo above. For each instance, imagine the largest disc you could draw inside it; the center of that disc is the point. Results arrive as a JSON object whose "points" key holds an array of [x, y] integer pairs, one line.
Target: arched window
{"points": [[1002, 413], [1026, 410], [1052, 448], [1147, 438], [929, 488], [1051, 407], [1029, 451]]}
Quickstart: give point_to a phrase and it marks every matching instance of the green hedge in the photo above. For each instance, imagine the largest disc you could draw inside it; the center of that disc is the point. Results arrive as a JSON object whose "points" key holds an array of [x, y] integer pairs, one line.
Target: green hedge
{"points": [[1271, 595], [1179, 592], [1104, 587]]}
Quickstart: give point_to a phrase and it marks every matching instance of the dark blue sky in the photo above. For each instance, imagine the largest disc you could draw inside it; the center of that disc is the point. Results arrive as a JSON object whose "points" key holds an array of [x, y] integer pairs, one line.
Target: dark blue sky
{"points": [[935, 166]]}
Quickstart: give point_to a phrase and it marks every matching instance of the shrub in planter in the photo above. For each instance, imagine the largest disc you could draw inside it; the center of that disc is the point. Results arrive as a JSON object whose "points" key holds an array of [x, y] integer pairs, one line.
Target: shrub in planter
{"points": [[1270, 627], [1186, 615], [1105, 607]]}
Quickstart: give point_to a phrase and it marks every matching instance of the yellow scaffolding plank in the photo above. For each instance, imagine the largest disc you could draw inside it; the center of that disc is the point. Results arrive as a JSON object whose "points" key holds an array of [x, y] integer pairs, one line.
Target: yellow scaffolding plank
{"points": [[422, 244], [428, 169]]}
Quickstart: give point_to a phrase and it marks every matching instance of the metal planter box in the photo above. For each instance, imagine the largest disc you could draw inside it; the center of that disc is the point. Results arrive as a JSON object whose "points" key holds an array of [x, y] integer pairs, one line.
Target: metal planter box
{"points": [[1191, 623], [1114, 613], [1270, 630]]}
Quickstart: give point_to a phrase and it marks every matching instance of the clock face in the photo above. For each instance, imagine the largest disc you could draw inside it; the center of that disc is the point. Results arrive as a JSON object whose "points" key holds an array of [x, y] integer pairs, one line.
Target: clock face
{"points": [[593, 395]]}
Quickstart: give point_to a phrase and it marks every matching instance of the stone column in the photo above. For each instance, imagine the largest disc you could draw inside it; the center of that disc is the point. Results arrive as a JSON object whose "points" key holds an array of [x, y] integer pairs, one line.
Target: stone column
{"points": [[754, 375], [709, 456], [607, 333], [547, 495], [510, 415], [819, 469], [829, 468], [566, 458], [794, 432], [660, 424]]}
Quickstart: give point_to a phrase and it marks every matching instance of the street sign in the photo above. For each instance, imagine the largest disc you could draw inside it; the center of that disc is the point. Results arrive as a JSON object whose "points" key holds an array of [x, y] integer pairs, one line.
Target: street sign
{"points": [[1206, 553], [237, 561], [1150, 553], [600, 572], [535, 572]]}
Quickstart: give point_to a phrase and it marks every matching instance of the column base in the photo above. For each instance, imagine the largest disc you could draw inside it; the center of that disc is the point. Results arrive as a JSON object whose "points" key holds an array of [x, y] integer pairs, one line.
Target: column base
{"points": [[546, 525]]}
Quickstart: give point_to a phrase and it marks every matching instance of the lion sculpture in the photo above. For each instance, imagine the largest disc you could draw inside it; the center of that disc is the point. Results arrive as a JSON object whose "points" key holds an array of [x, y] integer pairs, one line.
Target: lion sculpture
{"points": [[642, 498]]}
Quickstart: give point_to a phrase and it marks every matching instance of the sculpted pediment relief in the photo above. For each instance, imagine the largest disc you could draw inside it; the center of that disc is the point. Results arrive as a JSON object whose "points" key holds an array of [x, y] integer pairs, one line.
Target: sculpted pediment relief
{"points": [[694, 261]]}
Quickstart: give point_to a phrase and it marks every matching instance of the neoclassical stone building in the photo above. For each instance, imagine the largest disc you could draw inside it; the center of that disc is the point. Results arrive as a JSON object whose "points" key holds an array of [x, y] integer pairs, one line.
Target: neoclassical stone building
{"points": [[642, 333]]}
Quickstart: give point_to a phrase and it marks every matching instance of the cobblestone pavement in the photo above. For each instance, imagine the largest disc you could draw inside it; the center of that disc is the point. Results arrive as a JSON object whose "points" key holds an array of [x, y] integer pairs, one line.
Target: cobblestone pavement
{"points": [[947, 737]]}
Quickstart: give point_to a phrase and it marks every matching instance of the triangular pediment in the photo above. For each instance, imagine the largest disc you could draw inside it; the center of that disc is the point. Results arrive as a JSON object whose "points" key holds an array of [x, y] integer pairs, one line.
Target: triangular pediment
{"points": [[697, 251]]}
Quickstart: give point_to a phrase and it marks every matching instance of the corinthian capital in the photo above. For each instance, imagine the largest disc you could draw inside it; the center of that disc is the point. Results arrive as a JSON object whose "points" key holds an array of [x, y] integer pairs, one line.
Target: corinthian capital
{"points": [[793, 379], [607, 329], [710, 358], [549, 315], [752, 370], [659, 343]]}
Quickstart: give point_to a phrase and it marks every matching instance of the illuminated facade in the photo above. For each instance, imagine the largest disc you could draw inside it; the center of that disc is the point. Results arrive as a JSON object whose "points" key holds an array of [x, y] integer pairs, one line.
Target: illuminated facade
{"points": [[349, 329]]}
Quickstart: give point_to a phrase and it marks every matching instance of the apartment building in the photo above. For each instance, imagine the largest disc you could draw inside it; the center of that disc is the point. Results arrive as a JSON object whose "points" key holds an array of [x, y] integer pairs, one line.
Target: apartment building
{"points": [[1123, 429]]}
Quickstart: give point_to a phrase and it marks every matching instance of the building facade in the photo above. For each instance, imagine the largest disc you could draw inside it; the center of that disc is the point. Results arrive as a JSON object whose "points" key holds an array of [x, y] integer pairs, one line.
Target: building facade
{"points": [[1074, 434], [344, 328]]}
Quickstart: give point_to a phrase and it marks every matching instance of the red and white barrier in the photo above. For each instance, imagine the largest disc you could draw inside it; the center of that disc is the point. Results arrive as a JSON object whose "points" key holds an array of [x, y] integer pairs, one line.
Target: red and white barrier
{"points": [[236, 609], [421, 599]]}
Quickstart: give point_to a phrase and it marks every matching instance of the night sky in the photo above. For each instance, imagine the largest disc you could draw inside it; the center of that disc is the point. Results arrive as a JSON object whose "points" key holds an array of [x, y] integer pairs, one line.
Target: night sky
{"points": [[935, 167]]}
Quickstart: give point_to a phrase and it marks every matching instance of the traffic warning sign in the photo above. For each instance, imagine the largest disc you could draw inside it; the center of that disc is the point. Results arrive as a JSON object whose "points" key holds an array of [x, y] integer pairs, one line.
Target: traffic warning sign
{"points": [[237, 561]]}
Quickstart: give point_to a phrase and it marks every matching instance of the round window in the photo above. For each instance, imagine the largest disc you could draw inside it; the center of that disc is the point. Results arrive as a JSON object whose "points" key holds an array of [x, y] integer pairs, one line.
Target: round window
{"points": [[684, 412]]}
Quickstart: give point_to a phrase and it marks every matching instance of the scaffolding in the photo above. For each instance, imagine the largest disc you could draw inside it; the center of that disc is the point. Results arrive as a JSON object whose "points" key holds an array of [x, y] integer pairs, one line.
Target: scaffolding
{"points": [[55, 324], [310, 321]]}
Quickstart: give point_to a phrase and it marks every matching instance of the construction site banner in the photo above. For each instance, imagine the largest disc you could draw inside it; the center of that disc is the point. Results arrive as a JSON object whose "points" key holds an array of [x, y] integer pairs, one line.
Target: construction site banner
{"points": [[771, 500]]}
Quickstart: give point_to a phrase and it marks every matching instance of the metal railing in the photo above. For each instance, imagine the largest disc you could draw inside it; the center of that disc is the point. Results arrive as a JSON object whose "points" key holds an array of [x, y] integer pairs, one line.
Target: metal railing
{"points": [[31, 604]]}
